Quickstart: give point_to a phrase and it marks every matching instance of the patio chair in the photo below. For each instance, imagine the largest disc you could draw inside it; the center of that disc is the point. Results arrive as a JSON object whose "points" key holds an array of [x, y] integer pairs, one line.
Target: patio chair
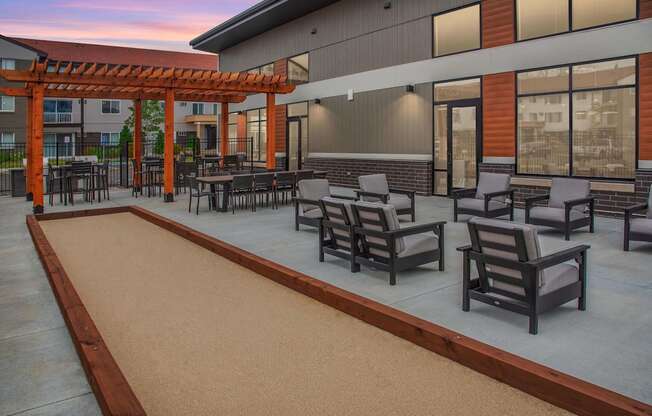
{"points": [[336, 231], [79, 172], [386, 246], [299, 176], [101, 178], [243, 191], [513, 275], [306, 205], [264, 186], [638, 228], [492, 198], [197, 191], [374, 188], [285, 183], [569, 206]]}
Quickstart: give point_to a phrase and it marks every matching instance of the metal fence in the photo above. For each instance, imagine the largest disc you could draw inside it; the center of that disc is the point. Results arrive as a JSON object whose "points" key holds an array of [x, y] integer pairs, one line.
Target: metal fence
{"points": [[119, 156]]}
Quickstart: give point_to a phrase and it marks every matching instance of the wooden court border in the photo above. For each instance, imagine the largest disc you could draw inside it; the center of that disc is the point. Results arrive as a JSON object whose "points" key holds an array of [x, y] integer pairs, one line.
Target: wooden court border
{"points": [[116, 397]]}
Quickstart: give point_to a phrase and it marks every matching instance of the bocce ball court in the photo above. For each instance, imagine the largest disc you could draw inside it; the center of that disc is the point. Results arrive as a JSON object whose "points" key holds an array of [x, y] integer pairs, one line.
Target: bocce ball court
{"points": [[169, 321]]}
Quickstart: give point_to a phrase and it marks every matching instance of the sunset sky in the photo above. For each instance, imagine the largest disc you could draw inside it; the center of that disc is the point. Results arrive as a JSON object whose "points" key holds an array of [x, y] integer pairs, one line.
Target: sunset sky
{"points": [[159, 24]]}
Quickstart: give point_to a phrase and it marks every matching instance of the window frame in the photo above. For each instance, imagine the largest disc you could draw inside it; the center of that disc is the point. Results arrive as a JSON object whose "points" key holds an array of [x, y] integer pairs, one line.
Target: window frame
{"points": [[570, 93], [8, 146], [570, 24], [110, 112], [260, 130], [110, 143], [2, 64], [432, 29], [12, 99], [288, 68]]}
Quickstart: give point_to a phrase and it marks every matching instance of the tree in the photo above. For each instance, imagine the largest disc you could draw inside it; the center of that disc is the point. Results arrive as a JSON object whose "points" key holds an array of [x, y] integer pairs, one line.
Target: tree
{"points": [[153, 118], [125, 135]]}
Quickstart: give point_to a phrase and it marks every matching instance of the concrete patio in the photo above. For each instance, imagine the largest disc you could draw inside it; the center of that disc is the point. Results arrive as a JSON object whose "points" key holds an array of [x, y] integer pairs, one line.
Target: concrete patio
{"points": [[609, 344]]}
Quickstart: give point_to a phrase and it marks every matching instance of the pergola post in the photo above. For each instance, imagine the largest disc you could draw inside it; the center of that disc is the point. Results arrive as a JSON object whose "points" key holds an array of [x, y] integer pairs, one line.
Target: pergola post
{"points": [[138, 142], [271, 131], [168, 169], [37, 149], [224, 129], [29, 165]]}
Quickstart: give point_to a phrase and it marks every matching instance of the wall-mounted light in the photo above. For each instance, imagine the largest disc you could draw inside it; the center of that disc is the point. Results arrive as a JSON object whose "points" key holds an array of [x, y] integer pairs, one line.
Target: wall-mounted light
{"points": [[313, 31], [317, 101], [349, 94], [387, 5], [409, 88]]}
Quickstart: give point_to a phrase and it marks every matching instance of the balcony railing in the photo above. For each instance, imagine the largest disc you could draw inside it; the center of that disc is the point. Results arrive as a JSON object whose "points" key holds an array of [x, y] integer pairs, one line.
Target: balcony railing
{"points": [[57, 118]]}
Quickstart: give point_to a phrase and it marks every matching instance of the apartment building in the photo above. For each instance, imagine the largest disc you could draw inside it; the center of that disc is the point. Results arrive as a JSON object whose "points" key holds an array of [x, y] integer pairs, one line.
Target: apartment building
{"points": [[431, 92], [74, 122]]}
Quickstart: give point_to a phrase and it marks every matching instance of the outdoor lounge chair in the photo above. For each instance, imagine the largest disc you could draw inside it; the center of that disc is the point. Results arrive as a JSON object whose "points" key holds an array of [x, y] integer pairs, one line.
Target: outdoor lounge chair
{"points": [[638, 228], [336, 231], [569, 206], [374, 188], [386, 246], [492, 198], [514, 276], [306, 205]]}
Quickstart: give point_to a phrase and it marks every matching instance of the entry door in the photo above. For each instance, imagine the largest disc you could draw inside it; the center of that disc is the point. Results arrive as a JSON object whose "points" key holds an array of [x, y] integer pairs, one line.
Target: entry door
{"points": [[297, 142], [456, 145]]}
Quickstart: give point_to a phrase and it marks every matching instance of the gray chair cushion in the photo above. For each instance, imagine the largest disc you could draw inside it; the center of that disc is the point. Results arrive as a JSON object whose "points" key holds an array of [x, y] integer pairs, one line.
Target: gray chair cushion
{"points": [[312, 213], [649, 203], [567, 189], [314, 190], [492, 182], [391, 219], [478, 204], [555, 214], [558, 276], [419, 243], [400, 201], [373, 183], [641, 225]]}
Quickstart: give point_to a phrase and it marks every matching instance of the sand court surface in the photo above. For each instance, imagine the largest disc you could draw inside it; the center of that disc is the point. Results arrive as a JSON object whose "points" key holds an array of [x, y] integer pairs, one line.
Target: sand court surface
{"points": [[196, 334]]}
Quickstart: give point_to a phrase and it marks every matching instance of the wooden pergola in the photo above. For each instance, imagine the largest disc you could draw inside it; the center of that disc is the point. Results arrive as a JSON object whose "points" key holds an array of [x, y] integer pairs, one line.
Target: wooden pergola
{"points": [[129, 82]]}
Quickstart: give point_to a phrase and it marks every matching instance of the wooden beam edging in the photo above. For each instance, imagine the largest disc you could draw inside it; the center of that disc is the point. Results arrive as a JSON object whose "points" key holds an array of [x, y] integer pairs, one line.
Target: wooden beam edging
{"points": [[552, 386], [112, 391], [116, 397]]}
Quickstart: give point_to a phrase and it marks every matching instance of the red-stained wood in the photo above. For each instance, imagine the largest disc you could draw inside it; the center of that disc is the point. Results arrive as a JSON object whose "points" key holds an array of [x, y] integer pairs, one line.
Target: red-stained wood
{"points": [[224, 129], [112, 391], [37, 149], [645, 9], [497, 23], [271, 131], [28, 148], [645, 106], [138, 141], [499, 114], [168, 163], [557, 388]]}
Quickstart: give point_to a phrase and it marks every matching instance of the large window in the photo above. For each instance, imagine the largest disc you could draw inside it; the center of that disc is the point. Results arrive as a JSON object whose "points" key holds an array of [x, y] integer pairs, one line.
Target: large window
{"points": [[456, 31], [200, 109], [298, 68], [108, 139], [537, 18], [7, 104], [7, 63], [257, 129], [7, 140], [233, 125], [110, 107], [267, 69], [578, 120], [57, 111]]}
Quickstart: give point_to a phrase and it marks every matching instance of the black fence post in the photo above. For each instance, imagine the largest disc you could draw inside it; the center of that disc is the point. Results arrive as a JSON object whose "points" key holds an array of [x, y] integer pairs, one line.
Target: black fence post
{"points": [[56, 149]]}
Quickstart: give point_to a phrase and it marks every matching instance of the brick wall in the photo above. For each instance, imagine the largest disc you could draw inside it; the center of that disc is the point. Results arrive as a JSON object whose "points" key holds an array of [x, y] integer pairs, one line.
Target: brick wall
{"points": [[607, 203], [413, 175]]}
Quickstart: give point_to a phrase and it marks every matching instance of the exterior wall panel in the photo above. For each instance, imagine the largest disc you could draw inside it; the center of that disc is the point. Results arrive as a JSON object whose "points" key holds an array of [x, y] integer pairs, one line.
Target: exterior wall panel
{"points": [[645, 107], [645, 9], [499, 114], [389, 121], [497, 23]]}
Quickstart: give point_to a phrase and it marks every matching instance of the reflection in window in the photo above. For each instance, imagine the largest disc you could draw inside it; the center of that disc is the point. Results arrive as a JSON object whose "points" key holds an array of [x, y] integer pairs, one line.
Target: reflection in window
{"points": [[457, 90], [298, 68], [298, 109], [257, 130], [604, 74], [536, 18], [542, 81], [457, 31], [264, 70], [589, 13]]}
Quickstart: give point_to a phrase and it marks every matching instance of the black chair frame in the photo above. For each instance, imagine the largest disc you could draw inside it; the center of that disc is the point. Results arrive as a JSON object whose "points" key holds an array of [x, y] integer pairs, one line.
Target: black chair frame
{"points": [[311, 222], [629, 235], [567, 226], [385, 199], [532, 304], [486, 213], [328, 240], [392, 263]]}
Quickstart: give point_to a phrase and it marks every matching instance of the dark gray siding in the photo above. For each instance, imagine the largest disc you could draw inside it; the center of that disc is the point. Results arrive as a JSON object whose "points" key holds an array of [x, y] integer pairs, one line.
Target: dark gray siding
{"points": [[380, 36], [15, 122], [389, 121]]}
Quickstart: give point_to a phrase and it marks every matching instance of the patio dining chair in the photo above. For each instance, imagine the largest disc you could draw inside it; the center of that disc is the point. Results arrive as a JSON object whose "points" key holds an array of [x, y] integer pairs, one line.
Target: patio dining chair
{"points": [[197, 191], [492, 198], [375, 188], [285, 183], [387, 246], [638, 228], [242, 192], [79, 178], [307, 210], [265, 188], [513, 275], [569, 206]]}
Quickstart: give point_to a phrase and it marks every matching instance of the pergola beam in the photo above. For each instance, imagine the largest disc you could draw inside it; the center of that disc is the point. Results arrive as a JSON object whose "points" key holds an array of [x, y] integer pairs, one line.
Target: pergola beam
{"points": [[37, 150], [168, 156]]}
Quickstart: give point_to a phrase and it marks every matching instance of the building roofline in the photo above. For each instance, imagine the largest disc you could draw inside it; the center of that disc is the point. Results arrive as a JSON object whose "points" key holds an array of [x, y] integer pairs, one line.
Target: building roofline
{"points": [[39, 52]]}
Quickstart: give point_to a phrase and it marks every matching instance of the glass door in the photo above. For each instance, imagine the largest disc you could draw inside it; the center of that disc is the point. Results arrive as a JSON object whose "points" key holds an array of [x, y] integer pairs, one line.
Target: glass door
{"points": [[456, 145], [297, 142]]}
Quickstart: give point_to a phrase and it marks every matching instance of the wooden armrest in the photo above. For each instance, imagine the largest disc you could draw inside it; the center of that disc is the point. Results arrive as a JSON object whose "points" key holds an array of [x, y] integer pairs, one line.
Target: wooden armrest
{"points": [[403, 192], [350, 198], [459, 193], [579, 201], [634, 208], [417, 229], [492, 195], [558, 257], [531, 200], [382, 197], [465, 248]]}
